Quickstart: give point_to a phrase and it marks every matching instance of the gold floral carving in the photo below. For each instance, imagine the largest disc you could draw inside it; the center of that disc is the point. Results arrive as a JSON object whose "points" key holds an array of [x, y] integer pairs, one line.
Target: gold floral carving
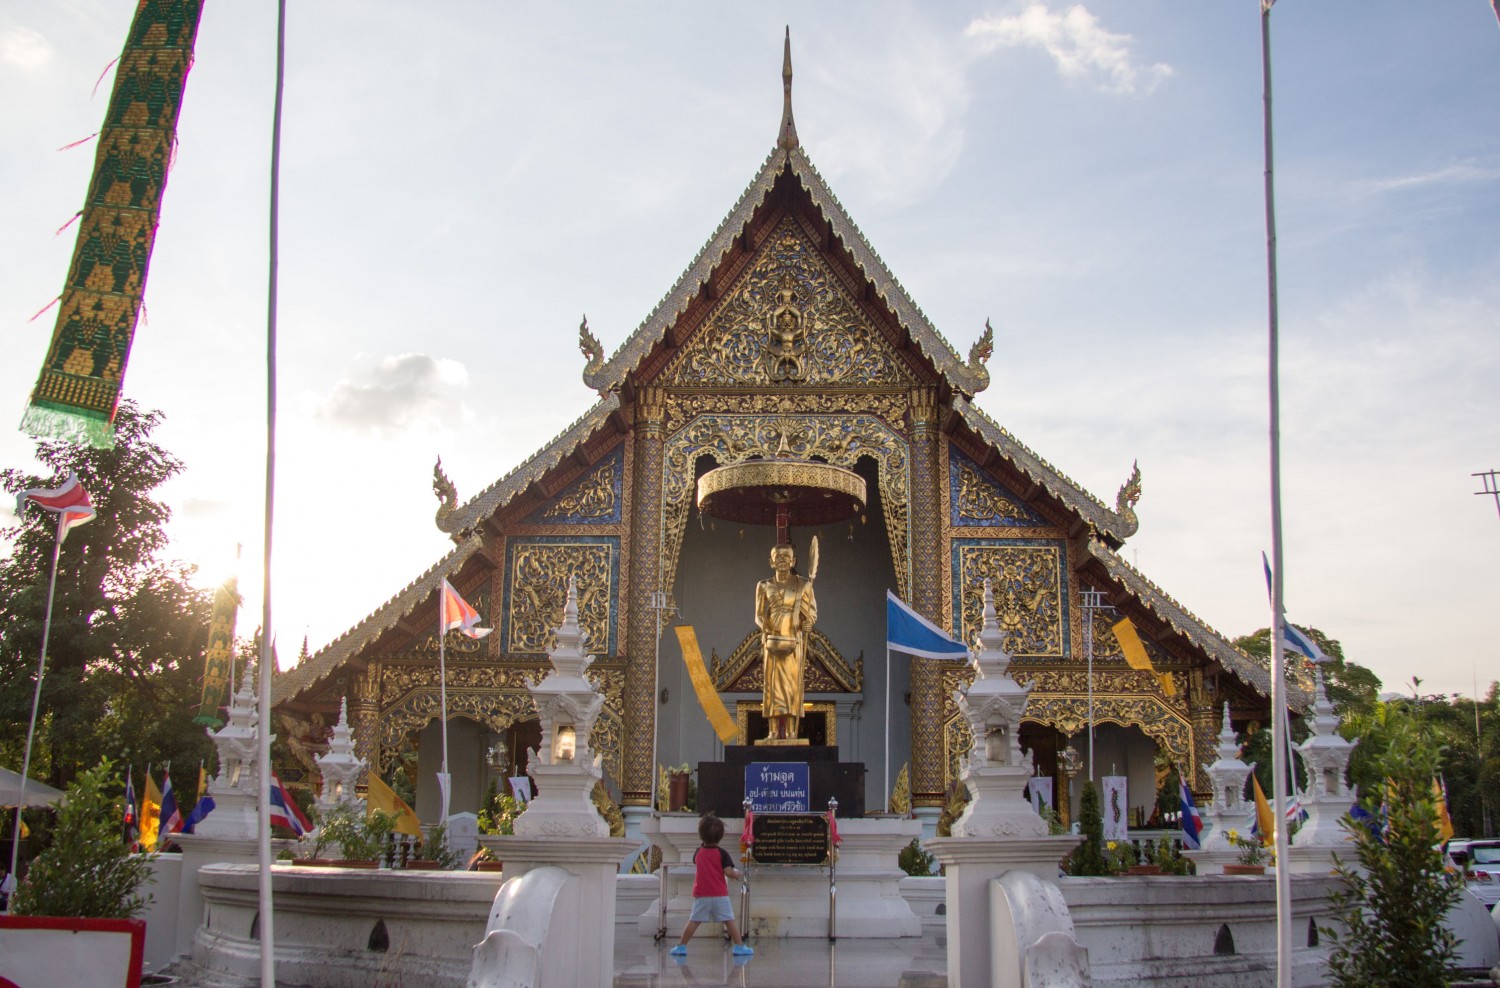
{"points": [[828, 711], [494, 696], [978, 500], [594, 497], [838, 439], [1027, 584], [1059, 699], [788, 322], [828, 672], [889, 406], [539, 587]]}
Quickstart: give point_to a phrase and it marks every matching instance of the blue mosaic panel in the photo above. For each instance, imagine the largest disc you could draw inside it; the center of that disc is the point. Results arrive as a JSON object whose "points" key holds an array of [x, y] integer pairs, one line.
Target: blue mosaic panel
{"points": [[537, 569], [977, 501], [596, 498], [1029, 578]]}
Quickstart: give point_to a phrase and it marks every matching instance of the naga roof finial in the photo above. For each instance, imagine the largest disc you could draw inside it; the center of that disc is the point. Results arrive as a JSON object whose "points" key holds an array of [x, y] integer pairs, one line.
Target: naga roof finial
{"points": [[788, 136]]}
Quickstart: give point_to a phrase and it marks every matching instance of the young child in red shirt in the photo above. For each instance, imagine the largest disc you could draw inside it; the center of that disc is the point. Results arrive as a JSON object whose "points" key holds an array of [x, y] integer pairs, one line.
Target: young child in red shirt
{"points": [[710, 890]]}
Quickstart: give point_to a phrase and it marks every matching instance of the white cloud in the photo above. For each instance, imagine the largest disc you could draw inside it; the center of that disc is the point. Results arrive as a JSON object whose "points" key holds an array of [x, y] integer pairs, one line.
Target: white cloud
{"points": [[1464, 172], [1081, 47], [399, 393], [896, 125], [24, 49]]}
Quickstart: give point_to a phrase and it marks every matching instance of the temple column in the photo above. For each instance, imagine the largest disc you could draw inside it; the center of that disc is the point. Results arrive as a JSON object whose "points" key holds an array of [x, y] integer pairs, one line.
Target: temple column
{"points": [[364, 715], [927, 755], [645, 576], [1204, 720]]}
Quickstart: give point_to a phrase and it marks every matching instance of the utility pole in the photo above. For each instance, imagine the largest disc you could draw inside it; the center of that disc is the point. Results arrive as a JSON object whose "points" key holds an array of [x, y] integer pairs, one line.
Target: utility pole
{"points": [[1491, 486]]}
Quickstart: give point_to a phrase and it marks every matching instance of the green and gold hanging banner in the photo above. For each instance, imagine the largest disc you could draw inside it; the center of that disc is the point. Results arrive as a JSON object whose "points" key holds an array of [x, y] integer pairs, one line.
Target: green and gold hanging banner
{"points": [[79, 387], [220, 654]]}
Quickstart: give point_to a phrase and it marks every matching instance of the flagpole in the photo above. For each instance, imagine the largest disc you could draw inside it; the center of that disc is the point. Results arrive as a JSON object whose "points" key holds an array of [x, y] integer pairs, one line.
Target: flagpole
{"points": [[447, 780], [36, 696], [263, 718], [1278, 637]]}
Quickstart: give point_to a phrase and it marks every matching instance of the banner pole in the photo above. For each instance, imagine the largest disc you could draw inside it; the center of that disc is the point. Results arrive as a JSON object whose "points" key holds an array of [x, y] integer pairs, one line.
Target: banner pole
{"points": [[886, 772], [36, 698]]}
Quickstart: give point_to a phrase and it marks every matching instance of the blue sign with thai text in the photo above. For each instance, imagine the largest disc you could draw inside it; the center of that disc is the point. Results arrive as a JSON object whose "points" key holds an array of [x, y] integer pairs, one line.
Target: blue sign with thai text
{"points": [[778, 787]]}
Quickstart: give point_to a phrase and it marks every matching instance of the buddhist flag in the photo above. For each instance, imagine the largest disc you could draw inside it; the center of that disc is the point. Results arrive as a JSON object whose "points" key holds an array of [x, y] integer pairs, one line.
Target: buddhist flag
{"points": [[1134, 651], [708, 697], [220, 653], [69, 501], [458, 615], [1265, 820], [1440, 801], [382, 797], [150, 813], [78, 389]]}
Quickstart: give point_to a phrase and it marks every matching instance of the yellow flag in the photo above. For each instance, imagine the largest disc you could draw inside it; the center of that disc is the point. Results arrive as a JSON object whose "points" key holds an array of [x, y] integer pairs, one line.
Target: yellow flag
{"points": [[150, 813], [1265, 820], [382, 797], [1444, 822], [202, 781], [1135, 654], [708, 697]]}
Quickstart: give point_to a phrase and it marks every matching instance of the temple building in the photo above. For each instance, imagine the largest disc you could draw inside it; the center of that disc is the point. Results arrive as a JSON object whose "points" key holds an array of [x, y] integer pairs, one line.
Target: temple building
{"points": [[787, 336]]}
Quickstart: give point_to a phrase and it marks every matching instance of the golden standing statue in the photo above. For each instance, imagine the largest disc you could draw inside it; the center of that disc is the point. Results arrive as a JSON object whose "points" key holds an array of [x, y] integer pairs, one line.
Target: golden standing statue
{"points": [[785, 611]]}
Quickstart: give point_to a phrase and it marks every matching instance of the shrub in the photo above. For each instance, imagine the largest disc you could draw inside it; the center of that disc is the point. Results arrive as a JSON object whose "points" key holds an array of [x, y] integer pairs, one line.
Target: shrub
{"points": [[915, 860], [1088, 858], [88, 872], [1392, 905]]}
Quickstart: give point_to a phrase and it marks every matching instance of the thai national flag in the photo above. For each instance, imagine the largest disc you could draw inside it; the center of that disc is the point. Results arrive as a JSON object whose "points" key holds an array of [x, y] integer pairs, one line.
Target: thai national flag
{"points": [[457, 614], [132, 828], [1192, 820], [201, 809], [284, 810], [70, 501], [171, 816]]}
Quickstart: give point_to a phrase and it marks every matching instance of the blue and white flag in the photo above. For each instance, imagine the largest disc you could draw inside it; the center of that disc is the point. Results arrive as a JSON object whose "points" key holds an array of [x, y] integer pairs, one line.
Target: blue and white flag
{"points": [[1192, 820], [201, 809], [909, 632], [1301, 642]]}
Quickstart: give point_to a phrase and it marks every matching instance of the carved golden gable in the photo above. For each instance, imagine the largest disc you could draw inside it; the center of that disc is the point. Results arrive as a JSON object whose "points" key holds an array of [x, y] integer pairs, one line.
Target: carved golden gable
{"points": [[788, 322]]}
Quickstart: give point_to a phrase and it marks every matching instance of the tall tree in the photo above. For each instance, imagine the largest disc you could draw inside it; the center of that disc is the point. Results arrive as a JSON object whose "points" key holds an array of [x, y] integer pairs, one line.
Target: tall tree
{"points": [[128, 628]]}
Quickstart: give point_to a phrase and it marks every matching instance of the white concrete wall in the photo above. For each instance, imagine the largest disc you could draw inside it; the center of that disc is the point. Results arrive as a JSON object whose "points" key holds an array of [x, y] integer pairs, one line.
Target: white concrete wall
{"points": [[1163, 931]]}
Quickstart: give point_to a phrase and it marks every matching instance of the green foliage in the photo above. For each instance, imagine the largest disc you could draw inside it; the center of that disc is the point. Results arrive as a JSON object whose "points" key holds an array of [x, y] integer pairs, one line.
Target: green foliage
{"points": [[499, 814], [915, 860], [1392, 906], [435, 848], [128, 629], [1166, 855], [87, 872], [360, 836], [1088, 858]]}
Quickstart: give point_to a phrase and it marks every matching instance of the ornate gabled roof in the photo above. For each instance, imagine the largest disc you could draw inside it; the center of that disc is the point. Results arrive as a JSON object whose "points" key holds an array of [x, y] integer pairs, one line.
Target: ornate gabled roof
{"points": [[504, 490], [968, 378], [326, 660], [1253, 672], [1117, 525]]}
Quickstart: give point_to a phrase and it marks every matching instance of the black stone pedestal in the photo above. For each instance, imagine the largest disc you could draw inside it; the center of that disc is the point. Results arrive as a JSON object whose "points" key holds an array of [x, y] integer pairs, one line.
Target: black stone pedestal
{"points": [[721, 785]]}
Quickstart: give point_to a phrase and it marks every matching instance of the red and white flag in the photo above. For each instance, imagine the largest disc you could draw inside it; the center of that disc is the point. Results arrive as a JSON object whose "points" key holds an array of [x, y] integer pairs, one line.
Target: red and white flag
{"points": [[70, 501], [458, 615]]}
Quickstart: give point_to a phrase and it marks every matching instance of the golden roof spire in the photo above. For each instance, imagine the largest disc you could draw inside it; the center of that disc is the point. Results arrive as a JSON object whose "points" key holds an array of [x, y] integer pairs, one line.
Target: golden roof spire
{"points": [[788, 136]]}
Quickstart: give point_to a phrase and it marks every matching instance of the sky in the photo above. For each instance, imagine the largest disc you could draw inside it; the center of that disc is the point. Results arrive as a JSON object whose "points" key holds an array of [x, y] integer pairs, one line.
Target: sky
{"points": [[462, 181]]}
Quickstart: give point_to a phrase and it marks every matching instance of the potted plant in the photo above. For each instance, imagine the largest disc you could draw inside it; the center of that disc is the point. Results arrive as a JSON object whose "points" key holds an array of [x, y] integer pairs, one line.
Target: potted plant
{"points": [[436, 854], [87, 883], [361, 838], [498, 817], [1252, 855]]}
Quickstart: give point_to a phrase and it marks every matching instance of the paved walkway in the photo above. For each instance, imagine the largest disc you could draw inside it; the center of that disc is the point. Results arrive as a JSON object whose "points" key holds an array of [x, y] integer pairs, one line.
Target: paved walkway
{"points": [[908, 962]]}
